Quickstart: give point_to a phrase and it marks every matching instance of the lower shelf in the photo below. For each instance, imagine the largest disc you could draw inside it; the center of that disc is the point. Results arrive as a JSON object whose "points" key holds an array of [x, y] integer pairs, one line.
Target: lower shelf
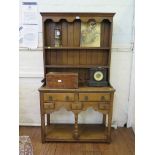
{"points": [[87, 133]]}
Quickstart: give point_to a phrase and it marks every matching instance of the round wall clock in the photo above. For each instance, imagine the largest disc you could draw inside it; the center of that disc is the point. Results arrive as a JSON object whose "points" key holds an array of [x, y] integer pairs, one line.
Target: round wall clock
{"points": [[98, 75]]}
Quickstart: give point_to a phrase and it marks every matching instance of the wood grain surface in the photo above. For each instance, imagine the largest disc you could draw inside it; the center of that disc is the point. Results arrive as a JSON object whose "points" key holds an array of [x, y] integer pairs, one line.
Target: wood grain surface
{"points": [[123, 143]]}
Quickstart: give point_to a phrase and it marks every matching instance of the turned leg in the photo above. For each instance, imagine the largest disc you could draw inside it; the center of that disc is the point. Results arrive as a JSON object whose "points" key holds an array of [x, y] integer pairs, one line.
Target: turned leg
{"points": [[76, 134], [109, 126], [110, 119], [104, 120], [48, 119], [43, 128], [42, 115]]}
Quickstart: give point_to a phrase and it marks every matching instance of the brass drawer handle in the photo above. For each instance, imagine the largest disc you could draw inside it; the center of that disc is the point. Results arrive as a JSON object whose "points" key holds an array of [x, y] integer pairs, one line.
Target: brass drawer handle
{"points": [[50, 98], [67, 98], [86, 98], [102, 98]]}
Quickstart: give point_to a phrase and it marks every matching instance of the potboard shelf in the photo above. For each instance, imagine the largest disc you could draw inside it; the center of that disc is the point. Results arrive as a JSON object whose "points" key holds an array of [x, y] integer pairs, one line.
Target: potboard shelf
{"points": [[65, 132], [74, 66]]}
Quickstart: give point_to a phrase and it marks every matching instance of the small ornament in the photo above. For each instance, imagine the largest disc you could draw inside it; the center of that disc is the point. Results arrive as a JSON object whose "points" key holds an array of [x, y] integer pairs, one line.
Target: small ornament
{"points": [[57, 37]]}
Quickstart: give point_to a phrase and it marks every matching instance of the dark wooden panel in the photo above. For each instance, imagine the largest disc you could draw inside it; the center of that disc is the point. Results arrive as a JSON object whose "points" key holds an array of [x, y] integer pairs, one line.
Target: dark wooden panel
{"points": [[76, 57], [83, 76], [58, 25], [99, 55], [70, 34], [106, 39], [89, 57], [70, 43], [70, 57], [64, 33], [83, 57], [76, 36], [53, 57], [49, 33], [105, 57], [77, 31], [65, 57], [59, 57], [94, 57], [102, 35], [48, 57], [64, 41]]}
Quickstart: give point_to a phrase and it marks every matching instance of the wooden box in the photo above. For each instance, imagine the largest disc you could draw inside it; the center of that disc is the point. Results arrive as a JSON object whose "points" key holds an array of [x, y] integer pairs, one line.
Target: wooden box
{"points": [[66, 80]]}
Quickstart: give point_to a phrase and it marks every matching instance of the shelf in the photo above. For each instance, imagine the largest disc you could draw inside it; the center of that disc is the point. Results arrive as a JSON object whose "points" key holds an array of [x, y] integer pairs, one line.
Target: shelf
{"points": [[80, 89], [77, 48], [77, 66], [87, 132]]}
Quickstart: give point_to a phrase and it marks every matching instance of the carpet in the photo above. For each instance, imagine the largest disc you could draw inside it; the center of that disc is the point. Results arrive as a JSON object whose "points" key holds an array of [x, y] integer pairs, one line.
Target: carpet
{"points": [[25, 145]]}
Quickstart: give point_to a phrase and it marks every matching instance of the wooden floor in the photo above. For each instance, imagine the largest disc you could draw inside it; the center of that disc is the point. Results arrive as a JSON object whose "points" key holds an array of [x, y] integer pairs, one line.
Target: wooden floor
{"points": [[123, 143]]}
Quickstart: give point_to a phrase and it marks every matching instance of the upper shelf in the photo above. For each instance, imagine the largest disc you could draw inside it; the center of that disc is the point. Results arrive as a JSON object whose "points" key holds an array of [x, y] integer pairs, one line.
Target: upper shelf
{"points": [[75, 66], [78, 48], [84, 17]]}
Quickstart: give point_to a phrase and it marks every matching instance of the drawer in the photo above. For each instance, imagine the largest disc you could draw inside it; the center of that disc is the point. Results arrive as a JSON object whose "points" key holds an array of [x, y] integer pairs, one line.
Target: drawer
{"points": [[58, 97], [77, 106], [94, 96], [49, 105], [104, 106]]}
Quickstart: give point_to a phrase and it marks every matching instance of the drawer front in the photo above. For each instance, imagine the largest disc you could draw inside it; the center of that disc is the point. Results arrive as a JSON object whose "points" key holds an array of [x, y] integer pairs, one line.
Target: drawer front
{"points": [[77, 106], [58, 97], [49, 105], [94, 97], [104, 106]]}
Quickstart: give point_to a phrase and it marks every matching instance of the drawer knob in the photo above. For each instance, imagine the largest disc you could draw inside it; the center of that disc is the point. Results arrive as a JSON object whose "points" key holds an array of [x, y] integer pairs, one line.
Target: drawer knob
{"points": [[86, 98], [102, 98], [67, 98], [50, 98]]}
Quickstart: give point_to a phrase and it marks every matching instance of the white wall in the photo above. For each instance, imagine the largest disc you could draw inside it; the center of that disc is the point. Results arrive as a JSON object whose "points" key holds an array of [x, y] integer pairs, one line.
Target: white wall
{"points": [[131, 107], [31, 62]]}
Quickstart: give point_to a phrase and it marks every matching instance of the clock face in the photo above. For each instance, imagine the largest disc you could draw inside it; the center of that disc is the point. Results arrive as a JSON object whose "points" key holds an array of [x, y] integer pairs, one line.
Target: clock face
{"points": [[98, 76]]}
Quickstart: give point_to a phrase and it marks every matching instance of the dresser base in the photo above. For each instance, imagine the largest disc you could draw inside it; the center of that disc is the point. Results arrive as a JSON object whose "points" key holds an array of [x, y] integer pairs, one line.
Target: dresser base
{"points": [[87, 132], [76, 100]]}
